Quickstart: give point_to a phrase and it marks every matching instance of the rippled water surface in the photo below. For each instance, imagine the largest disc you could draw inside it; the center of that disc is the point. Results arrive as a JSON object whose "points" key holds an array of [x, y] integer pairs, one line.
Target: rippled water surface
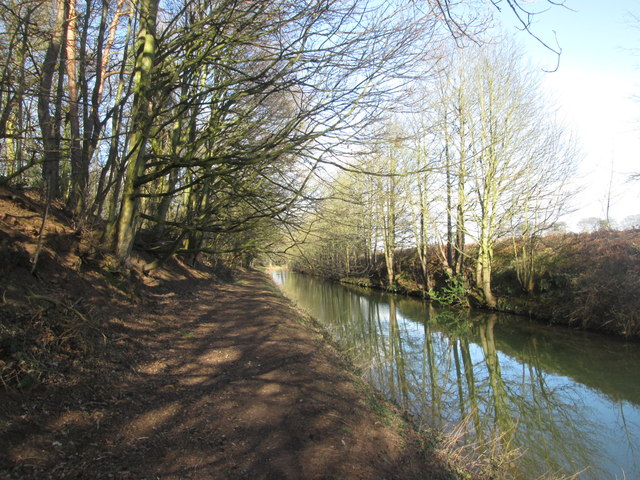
{"points": [[569, 400]]}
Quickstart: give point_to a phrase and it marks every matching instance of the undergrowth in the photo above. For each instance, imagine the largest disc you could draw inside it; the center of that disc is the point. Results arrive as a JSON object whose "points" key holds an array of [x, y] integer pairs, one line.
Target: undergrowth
{"points": [[40, 343]]}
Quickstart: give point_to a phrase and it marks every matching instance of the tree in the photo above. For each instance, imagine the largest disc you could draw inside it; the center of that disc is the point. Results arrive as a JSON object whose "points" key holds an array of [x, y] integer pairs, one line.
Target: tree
{"points": [[265, 88], [592, 224], [420, 194], [50, 124], [247, 90], [452, 106], [545, 201], [21, 47], [422, 187], [141, 125], [516, 160], [386, 208]]}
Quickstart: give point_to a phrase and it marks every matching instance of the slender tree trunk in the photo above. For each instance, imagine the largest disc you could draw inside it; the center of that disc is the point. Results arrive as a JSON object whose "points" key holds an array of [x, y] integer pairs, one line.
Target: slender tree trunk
{"points": [[525, 261], [163, 207], [141, 121], [79, 178], [422, 247], [450, 239], [389, 240], [51, 137], [111, 168], [458, 267], [422, 254], [13, 123]]}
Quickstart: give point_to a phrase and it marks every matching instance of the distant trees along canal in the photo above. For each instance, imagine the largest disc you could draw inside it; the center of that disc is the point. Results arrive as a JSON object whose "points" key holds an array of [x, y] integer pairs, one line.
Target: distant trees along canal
{"points": [[480, 158], [342, 132]]}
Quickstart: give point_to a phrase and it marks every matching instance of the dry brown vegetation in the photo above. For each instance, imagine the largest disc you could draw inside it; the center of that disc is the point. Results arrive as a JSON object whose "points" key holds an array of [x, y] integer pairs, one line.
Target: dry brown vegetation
{"points": [[586, 280]]}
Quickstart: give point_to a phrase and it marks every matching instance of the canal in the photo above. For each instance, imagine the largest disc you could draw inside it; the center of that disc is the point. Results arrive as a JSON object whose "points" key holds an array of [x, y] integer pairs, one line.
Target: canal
{"points": [[568, 400]]}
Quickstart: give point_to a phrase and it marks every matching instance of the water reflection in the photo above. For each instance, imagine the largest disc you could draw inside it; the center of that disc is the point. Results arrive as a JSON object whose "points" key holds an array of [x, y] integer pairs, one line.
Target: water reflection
{"points": [[570, 401]]}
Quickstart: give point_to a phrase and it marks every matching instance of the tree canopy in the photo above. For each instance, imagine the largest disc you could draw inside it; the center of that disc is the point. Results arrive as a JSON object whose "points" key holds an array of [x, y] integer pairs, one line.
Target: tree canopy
{"points": [[204, 123]]}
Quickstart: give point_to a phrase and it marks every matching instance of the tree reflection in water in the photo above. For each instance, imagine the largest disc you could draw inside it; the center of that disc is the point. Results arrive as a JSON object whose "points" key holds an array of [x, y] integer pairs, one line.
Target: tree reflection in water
{"points": [[504, 380]]}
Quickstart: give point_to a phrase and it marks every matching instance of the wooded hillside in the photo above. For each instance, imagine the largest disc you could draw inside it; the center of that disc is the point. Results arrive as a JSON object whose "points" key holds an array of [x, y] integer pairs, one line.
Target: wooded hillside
{"points": [[202, 122]]}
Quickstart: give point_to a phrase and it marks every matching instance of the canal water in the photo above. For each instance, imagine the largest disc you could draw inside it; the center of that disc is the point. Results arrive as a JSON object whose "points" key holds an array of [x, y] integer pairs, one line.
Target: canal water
{"points": [[568, 400]]}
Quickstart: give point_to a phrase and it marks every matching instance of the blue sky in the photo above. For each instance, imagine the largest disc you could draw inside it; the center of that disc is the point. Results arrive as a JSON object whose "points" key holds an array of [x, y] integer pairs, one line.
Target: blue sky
{"points": [[598, 75]]}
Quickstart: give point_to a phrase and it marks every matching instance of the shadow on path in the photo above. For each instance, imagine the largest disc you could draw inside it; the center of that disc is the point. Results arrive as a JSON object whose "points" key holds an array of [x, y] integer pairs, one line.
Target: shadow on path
{"points": [[220, 381]]}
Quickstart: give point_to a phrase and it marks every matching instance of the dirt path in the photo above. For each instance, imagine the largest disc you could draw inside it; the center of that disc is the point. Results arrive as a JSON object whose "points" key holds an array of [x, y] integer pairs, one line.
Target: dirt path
{"points": [[218, 382]]}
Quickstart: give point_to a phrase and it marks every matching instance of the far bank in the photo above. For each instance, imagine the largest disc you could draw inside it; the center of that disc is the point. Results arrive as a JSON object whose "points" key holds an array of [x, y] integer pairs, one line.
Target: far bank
{"points": [[581, 280]]}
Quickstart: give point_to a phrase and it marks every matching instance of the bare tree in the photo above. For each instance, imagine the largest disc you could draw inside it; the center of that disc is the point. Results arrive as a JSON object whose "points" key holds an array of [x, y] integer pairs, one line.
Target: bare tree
{"points": [[518, 161], [50, 124], [247, 90]]}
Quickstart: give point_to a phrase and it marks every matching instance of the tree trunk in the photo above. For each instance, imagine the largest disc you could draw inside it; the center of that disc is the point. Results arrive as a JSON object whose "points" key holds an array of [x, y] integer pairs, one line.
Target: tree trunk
{"points": [[483, 273], [525, 261], [486, 285], [111, 168], [163, 207], [422, 247], [458, 263], [141, 121], [50, 135], [390, 240], [12, 122], [450, 251], [79, 172]]}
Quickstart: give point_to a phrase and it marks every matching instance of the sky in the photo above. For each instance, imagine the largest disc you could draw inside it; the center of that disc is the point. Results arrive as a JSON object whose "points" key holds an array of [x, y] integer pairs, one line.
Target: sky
{"points": [[594, 87]]}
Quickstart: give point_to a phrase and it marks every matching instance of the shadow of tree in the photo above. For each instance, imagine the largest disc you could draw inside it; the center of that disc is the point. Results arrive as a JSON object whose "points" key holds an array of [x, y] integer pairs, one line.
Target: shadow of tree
{"points": [[217, 381]]}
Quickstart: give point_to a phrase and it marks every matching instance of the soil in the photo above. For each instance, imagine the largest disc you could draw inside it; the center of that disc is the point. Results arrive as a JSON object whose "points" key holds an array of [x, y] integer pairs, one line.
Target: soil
{"points": [[179, 375]]}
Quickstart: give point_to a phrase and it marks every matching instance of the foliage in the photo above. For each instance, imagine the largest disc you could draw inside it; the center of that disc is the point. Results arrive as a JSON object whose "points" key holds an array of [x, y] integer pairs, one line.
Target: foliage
{"points": [[583, 280], [198, 128], [477, 160], [204, 123], [602, 292], [454, 293]]}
